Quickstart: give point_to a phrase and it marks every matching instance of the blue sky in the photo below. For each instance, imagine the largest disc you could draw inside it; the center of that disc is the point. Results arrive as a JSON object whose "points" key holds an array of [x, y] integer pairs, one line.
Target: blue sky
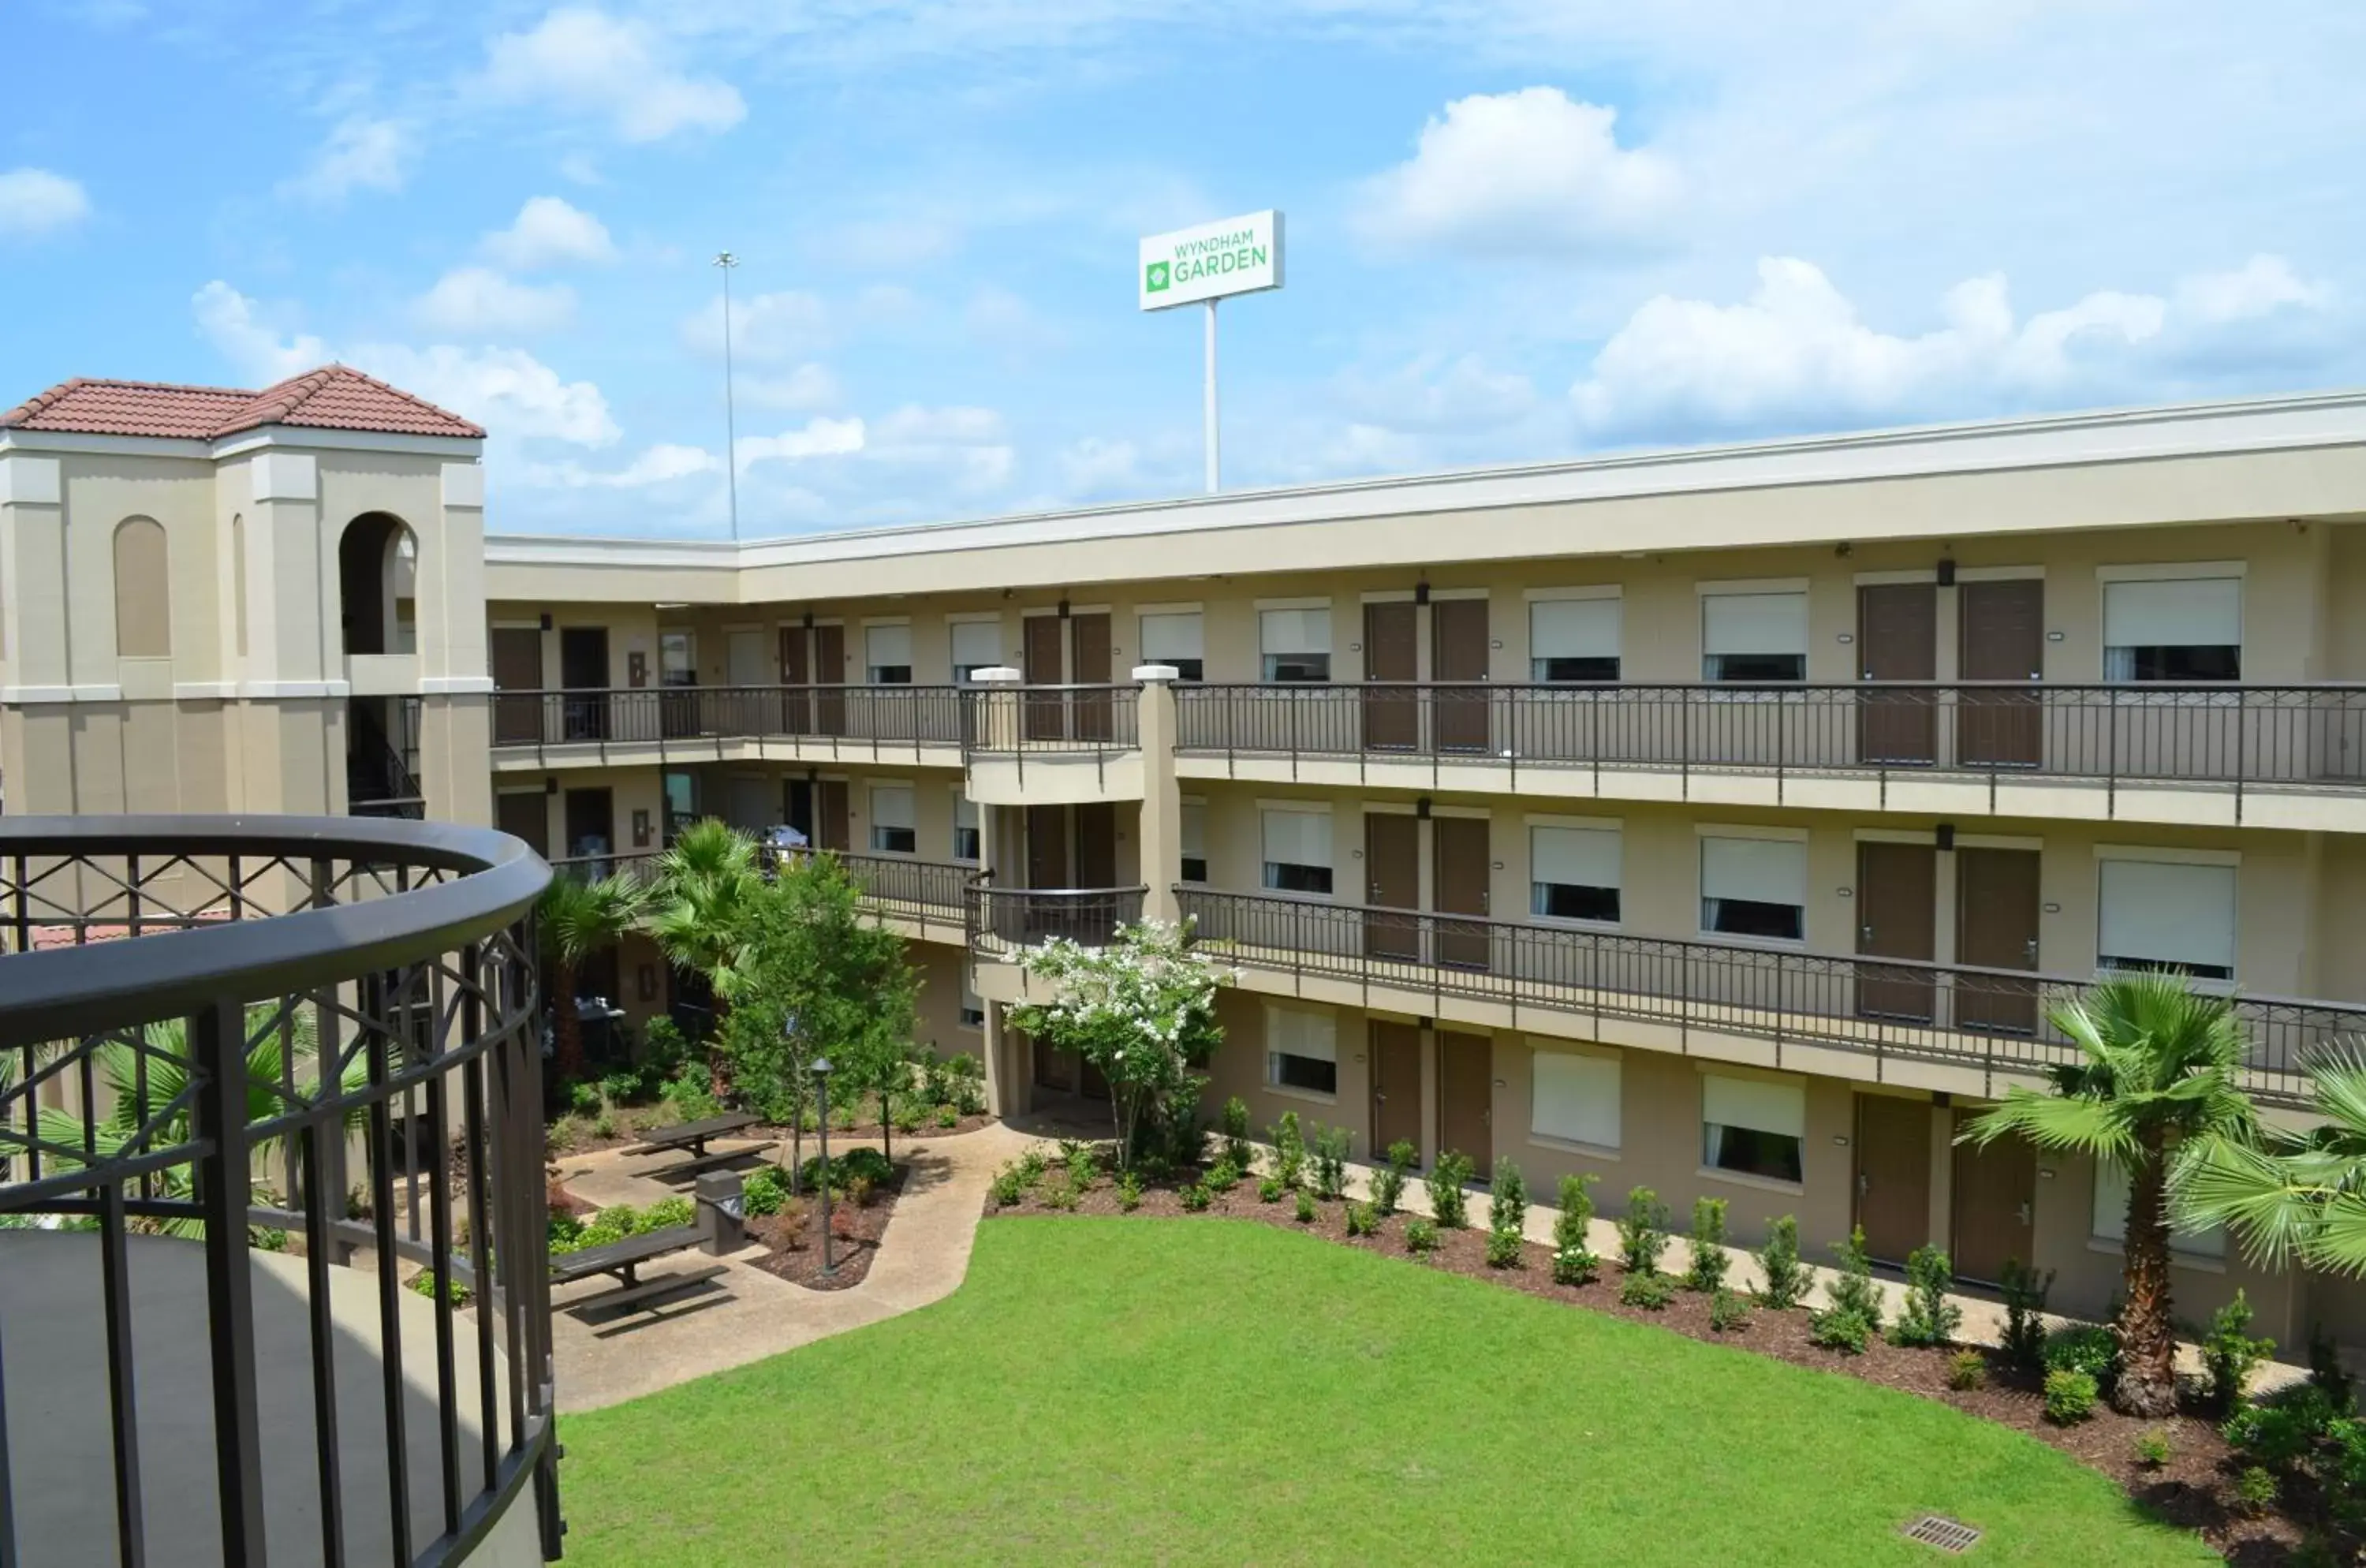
{"points": [[1518, 228]]}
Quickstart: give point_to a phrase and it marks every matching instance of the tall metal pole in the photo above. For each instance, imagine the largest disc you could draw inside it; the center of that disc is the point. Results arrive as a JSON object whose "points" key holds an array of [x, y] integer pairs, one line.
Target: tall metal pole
{"points": [[1213, 438], [727, 261]]}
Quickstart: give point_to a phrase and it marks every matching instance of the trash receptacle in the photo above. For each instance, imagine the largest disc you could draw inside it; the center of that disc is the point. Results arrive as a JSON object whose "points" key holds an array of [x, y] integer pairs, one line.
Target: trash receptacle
{"points": [[721, 1213]]}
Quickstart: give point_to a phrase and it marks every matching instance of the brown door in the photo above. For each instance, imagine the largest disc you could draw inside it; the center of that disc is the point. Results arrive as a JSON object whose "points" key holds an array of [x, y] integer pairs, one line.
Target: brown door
{"points": [[830, 815], [1396, 1086], [517, 666], [1392, 665], [1465, 1099], [1898, 639], [1459, 884], [1055, 1069], [1097, 844], [1047, 846], [583, 666], [525, 817], [796, 674], [1458, 637], [1995, 1198], [1893, 1175], [590, 823], [1040, 649], [1393, 884], [1088, 665], [1897, 897], [830, 679], [1996, 928], [2004, 638]]}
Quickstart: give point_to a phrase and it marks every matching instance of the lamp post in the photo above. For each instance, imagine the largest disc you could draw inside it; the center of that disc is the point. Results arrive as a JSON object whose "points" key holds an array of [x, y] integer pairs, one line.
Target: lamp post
{"points": [[727, 261], [821, 1099]]}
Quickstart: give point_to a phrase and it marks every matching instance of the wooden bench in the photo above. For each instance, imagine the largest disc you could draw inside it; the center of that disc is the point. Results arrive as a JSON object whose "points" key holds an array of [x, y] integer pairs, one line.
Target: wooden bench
{"points": [[623, 1258]]}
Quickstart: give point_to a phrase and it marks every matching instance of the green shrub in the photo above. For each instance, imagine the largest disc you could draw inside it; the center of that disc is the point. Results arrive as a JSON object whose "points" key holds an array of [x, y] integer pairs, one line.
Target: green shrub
{"points": [[1706, 1272], [668, 1213], [1269, 1189], [907, 1118], [688, 1097], [1195, 1198], [2025, 1289], [1928, 1317], [1447, 1202], [1008, 1187], [1063, 1194], [1787, 1279], [767, 1189], [623, 1087], [2327, 1375], [1574, 1259], [1507, 1202], [1362, 1219], [604, 1124], [861, 1161], [2070, 1396], [1332, 1146], [1727, 1310], [1505, 1249], [2229, 1355], [1852, 1298], [1288, 1150], [1083, 1162], [1238, 1147], [2341, 1472], [1967, 1370], [565, 1233], [2255, 1488], [1652, 1292], [1843, 1331], [423, 1283], [2151, 1448], [1305, 1207], [948, 1116], [1389, 1181], [1032, 1164], [1222, 1175], [583, 1098], [2088, 1347], [560, 1136], [1129, 1191], [2283, 1429], [1642, 1232], [1420, 1236]]}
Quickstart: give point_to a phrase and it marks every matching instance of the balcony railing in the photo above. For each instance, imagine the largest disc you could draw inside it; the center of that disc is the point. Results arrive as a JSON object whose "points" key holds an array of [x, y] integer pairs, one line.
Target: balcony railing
{"points": [[891, 885], [2220, 735], [199, 1018], [1000, 918], [1990, 1018], [856, 720], [1053, 719]]}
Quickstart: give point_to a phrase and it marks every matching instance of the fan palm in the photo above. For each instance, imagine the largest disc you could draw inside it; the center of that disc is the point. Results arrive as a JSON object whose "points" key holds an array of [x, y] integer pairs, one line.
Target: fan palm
{"points": [[2293, 1195], [577, 920], [2160, 1077], [704, 904]]}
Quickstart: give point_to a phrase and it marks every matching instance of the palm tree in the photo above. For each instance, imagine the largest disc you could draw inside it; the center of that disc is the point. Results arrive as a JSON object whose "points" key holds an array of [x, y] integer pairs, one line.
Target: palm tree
{"points": [[577, 920], [2293, 1195], [2160, 1077], [706, 888]]}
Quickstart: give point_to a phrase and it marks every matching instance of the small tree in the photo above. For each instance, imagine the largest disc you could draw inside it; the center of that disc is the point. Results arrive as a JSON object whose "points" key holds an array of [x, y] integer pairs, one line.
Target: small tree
{"points": [[577, 920], [702, 906], [1142, 1011]]}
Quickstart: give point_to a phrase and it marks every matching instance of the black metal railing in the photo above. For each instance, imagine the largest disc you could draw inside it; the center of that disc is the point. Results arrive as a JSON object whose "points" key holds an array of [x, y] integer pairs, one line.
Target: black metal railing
{"points": [[856, 720], [1000, 918], [382, 759], [2220, 735], [1992, 1018], [1053, 719], [891, 885], [199, 1018]]}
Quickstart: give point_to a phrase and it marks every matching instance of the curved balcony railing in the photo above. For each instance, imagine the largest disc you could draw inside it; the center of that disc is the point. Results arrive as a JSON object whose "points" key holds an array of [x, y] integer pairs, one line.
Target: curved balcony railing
{"points": [[892, 884], [2232, 735], [215, 1031], [1053, 720], [1001, 918], [857, 720], [1994, 1020]]}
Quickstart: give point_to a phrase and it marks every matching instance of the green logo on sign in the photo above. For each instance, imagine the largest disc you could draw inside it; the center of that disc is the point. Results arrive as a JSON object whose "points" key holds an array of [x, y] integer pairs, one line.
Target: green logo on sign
{"points": [[1156, 282]]}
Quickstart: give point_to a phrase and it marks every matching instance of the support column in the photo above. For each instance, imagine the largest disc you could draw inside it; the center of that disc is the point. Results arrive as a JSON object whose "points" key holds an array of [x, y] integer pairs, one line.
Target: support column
{"points": [[1161, 801], [1942, 1227]]}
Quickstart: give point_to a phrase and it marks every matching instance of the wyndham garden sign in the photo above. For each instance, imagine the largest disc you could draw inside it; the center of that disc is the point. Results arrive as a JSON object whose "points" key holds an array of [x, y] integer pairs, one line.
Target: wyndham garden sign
{"points": [[1234, 256]]}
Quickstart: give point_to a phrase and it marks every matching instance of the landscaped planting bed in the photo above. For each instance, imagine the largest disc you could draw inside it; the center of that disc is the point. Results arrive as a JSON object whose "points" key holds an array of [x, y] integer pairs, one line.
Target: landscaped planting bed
{"points": [[864, 1193]]}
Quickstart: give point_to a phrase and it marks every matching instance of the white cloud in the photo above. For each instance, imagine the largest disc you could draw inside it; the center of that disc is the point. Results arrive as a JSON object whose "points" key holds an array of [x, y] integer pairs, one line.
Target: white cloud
{"points": [[471, 301], [2259, 287], [231, 323], [550, 232], [361, 153], [808, 386], [35, 202], [660, 464], [914, 425], [1433, 392], [1096, 466], [765, 328], [967, 443], [1532, 171], [587, 61], [580, 168], [816, 438]]}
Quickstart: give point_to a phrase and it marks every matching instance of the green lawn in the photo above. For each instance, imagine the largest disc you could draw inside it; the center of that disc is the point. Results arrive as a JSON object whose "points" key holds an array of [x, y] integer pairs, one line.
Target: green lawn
{"points": [[1144, 1391]]}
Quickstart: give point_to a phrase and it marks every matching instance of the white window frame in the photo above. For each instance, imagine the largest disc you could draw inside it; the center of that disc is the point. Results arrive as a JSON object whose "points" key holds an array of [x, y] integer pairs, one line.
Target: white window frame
{"points": [[870, 669], [878, 823], [1748, 1087], [1705, 831], [1614, 826], [1330, 863], [961, 672], [1192, 666], [1265, 655], [2231, 861], [1578, 1062], [1329, 1019], [2119, 659], [976, 826], [1614, 594], [1193, 810], [1786, 587]]}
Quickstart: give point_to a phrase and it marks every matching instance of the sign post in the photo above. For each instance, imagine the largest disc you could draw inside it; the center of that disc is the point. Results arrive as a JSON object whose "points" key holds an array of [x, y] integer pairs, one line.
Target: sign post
{"points": [[1202, 265]]}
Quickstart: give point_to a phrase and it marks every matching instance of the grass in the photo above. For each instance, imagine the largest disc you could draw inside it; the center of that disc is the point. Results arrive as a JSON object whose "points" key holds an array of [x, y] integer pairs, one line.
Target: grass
{"points": [[1190, 1393]]}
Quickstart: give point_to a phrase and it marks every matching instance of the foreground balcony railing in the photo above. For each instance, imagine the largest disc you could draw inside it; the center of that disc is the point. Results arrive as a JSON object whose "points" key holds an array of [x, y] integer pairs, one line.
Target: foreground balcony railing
{"points": [[201, 1020], [892, 884], [1989, 1018], [1001, 918], [859, 717], [1066, 720], [2224, 735]]}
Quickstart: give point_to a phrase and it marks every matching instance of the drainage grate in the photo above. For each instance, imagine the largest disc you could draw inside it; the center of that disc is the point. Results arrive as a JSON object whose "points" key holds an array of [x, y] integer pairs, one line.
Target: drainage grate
{"points": [[1951, 1536]]}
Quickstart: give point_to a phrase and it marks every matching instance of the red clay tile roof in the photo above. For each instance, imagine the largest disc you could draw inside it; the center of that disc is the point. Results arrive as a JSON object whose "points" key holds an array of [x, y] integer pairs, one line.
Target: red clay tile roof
{"points": [[331, 398]]}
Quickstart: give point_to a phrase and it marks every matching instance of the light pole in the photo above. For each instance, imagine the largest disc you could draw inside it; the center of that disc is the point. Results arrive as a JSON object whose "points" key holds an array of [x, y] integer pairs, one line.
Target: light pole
{"points": [[726, 261], [821, 1098]]}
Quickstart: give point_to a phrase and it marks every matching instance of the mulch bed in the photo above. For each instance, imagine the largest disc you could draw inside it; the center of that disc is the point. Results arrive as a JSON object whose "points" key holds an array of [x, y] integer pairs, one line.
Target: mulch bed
{"points": [[793, 1237], [868, 1131], [2194, 1490]]}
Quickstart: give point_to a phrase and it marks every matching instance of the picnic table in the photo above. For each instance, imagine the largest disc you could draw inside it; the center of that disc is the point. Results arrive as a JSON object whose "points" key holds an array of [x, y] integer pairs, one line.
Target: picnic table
{"points": [[622, 1259], [692, 1136]]}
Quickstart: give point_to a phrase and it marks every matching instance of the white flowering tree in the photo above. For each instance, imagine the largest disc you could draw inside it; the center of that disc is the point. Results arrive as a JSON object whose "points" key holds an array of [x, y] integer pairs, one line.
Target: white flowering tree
{"points": [[1142, 1011]]}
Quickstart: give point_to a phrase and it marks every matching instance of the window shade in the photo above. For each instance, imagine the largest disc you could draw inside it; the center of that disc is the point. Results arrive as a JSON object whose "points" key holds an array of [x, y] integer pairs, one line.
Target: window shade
{"points": [[2170, 913], [1301, 1033], [1574, 628], [1168, 638], [1753, 623], [1298, 838], [888, 646], [1763, 871], [2198, 612], [977, 644], [965, 811], [1194, 832], [1575, 1098], [1294, 631], [1780, 1108], [891, 806], [1575, 857]]}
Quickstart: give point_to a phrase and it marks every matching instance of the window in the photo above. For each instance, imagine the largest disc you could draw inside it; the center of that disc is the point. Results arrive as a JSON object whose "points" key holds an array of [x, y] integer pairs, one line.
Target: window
{"points": [[681, 803], [888, 655], [677, 660], [2167, 915], [1301, 1051], [1296, 644], [1195, 841], [973, 1006], [1573, 872], [1753, 637], [966, 840], [1575, 1097], [1298, 851], [1173, 638], [892, 830], [977, 644], [1574, 640], [143, 612], [1753, 1127], [2183, 628], [1754, 887], [2110, 1216]]}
